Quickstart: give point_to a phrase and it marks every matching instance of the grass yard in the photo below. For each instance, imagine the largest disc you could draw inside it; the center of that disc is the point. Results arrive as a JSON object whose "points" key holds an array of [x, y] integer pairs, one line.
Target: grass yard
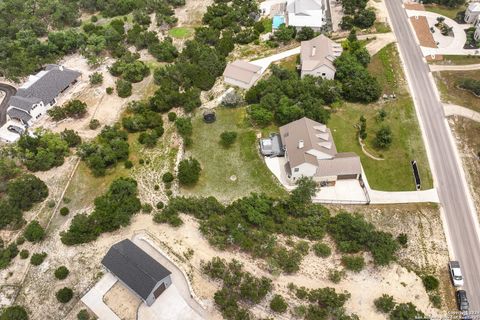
{"points": [[219, 164], [289, 63], [394, 173], [458, 60], [382, 27], [180, 32], [444, 10], [447, 84]]}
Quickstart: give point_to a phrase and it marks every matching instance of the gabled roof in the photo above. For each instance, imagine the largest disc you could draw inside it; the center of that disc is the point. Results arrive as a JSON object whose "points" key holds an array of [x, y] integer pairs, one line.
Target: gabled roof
{"points": [[474, 7], [44, 86], [304, 7], [305, 13], [15, 113], [319, 51], [345, 163], [242, 71], [134, 267], [305, 131]]}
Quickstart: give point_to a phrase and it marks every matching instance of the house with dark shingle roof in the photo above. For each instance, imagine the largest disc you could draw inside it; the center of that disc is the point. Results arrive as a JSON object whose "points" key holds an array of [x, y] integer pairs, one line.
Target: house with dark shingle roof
{"points": [[311, 152], [40, 92], [137, 270]]}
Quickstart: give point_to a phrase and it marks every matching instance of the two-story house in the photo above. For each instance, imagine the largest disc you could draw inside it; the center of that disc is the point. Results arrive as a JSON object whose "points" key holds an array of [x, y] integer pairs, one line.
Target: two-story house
{"points": [[317, 56]]}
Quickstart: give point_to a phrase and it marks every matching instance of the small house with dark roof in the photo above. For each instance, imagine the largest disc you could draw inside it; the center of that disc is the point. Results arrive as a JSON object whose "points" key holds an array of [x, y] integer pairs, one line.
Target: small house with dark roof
{"points": [[40, 93], [137, 270]]}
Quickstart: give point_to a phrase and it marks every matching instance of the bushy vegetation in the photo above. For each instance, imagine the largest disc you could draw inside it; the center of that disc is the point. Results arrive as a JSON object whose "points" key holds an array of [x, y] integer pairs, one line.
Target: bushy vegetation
{"points": [[142, 119], [185, 129], [278, 304], [96, 78], [353, 263], [42, 151], [406, 311], [430, 282], [14, 313], [238, 287], [322, 250], [129, 68], [106, 150], [448, 3], [64, 295], [385, 303], [227, 138], [83, 315], [472, 85], [7, 254], [112, 211], [72, 109], [37, 258], [357, 15], [61, 272], [34, 232], [188, 171]]}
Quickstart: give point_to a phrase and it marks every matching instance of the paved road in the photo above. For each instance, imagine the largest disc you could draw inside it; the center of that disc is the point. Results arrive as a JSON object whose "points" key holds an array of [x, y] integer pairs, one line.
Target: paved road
{"points": [[460, 221], [9, 91]]}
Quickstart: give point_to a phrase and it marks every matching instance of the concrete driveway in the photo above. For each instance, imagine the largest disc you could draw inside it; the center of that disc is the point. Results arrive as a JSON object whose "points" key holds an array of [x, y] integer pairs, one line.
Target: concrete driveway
{"points": [[265, 62], [94, 298]]}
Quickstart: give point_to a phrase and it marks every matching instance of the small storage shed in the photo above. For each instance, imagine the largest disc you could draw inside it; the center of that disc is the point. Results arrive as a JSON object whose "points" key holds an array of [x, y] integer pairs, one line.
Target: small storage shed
{"points": [[137, 270]]}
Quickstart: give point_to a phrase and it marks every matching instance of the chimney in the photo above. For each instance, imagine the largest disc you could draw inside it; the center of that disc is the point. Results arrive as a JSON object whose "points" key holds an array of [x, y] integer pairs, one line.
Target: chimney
{"points": [[300, 144]]}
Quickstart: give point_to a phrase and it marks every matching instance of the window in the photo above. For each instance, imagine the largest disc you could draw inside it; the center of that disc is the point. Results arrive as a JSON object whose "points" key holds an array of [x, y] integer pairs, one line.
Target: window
{"points": [[296, 170], [323, 74]]}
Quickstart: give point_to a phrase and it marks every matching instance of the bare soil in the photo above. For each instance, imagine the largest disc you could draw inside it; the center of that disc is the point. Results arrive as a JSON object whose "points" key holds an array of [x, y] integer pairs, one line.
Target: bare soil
{"points": [[122, 301]]}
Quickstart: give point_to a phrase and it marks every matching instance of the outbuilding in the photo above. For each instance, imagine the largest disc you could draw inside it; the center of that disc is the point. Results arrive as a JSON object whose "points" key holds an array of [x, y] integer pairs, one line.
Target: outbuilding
{"points": [[137, 270]]}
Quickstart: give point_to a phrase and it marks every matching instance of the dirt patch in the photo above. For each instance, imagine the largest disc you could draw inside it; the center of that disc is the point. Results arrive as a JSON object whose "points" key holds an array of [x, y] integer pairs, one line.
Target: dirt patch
{"points": [[414, 6], [122, 301], [192, 12], [422, 30]]}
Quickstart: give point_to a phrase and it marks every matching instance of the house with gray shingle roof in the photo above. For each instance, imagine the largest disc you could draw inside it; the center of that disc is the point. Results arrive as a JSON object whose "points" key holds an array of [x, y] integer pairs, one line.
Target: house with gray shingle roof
{"points": [[311, 152], [317, 56], [40, 93], [137, 270]]}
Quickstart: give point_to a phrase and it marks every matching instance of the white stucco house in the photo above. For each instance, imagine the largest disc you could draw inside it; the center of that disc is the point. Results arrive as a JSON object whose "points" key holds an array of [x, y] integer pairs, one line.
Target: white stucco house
{"points": [[311, 152], [306, 13], [317, 56], [472, 13], [242, 74], [36, 96]]}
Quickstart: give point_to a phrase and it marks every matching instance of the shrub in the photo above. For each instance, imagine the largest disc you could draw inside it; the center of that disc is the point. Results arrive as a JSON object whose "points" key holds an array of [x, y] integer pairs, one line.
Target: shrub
{"points": [[64, 295], [322, 250], [109, 90], [336, 275], [94, 18], [94, 124], [385, 303], [156, 187], [25, 191], [124, 88], [402, 239], [172, 116], [436, 300], [278, 304], [95, 78], [20, 240], [353, 263], [406, 311], [160, 205], [64, 211], [14, 313], [167, 177], [227, 138], [71, 137], [34, 232], [128, 164], [83, 315], [470, 85], [24, 254], [383, 138], [61, 272], [189, 171], [430, 282], [147, 208], [37, 258], [51, 203]]}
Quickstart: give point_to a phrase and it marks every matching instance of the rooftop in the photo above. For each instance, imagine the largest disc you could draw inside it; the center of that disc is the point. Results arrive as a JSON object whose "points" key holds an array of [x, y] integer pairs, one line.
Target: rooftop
{"points": [[134, 267], [242, 71], [319, 51]]}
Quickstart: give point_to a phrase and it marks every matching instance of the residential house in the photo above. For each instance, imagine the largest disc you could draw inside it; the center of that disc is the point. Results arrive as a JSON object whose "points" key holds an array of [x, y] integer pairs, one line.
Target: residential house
{"points": [[40, 93], [310, 151], [242, 74], [476, 35], [472, 13], [306, 13], [137, 270], [317, 56]]}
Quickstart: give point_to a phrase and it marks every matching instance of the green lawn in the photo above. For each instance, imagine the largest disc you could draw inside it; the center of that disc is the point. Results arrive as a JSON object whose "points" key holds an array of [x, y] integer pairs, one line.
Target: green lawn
{"points": [[382, 27], [394, 173], [445, 11], [289, 63], [180, 32], [447, 84], [240, 160], [458, 60]]}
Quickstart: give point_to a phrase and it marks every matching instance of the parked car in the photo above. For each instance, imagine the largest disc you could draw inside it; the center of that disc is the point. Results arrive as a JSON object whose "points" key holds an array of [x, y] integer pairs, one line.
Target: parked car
{"points": [[462, 301], [455, 273]]}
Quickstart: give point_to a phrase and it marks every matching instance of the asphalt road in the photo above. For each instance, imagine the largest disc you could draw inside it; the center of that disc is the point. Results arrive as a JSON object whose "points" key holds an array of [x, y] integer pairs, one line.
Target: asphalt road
{"points": [[9, 91], [461, 225]]}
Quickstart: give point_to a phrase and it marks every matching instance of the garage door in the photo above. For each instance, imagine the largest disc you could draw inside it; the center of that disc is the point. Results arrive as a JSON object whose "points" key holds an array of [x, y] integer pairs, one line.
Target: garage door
{"points": [[347, 176], [159, 290]]}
